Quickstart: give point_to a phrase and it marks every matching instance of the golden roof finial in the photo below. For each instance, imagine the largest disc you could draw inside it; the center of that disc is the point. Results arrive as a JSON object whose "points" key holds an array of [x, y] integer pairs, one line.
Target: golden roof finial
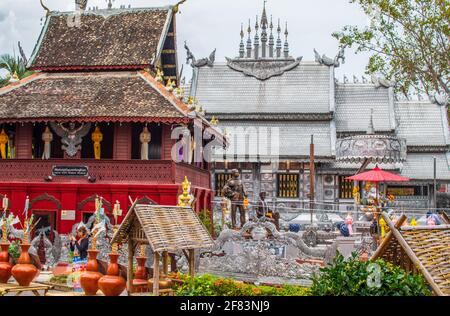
{"points": [[176, 7], [159, 76], [170, 85], [185, 198], [214, 121]]}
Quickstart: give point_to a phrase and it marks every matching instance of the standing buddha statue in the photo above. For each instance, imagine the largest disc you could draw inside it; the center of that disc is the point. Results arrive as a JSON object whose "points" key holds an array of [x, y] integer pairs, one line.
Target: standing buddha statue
{"points": [[47, 138], [145, 137], [97, 138], [3, 141]]}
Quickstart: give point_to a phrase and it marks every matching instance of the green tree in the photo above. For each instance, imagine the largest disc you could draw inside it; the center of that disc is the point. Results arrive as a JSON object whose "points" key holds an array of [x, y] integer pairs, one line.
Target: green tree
{"points": [[13, 65], [409, 42]]}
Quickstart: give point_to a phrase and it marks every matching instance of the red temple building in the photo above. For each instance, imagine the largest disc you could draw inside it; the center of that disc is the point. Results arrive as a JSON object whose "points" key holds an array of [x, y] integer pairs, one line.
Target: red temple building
{"points": [[75, 127]]}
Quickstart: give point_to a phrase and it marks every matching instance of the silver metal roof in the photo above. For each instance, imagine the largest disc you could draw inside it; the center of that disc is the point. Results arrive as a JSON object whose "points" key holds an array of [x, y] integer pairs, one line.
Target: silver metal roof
{"points": [[308, 88], [422, 123], [353, 104], [420, 166], [272, 139]]}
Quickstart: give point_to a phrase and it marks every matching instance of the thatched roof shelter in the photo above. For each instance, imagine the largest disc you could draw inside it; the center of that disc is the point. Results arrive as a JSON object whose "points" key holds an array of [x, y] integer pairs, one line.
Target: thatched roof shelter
{"points": [[166, 229], [419, 249]]}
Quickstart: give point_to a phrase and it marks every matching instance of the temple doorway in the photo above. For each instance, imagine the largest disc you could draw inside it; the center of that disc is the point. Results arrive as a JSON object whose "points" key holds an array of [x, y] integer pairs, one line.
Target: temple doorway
{"points": [[45, 226]]}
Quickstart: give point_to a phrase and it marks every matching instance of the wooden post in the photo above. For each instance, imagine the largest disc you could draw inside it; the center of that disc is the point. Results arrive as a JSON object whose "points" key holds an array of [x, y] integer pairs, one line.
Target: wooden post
{"points": [[191, 259], [165, 259], [156, 273], [311, 177], [130, 266]]}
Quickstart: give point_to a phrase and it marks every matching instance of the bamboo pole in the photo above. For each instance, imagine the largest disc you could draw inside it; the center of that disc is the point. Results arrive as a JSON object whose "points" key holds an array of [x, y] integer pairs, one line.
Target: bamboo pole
{"points": [[156, 257], [130, 266], [412, 255]]}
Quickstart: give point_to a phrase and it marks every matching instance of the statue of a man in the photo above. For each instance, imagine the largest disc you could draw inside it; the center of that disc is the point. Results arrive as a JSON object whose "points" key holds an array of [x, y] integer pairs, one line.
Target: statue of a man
{"points": [[234, 190]]}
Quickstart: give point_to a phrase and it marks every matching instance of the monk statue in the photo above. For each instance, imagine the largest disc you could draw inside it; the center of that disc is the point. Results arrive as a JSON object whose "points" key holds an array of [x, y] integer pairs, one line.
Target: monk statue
{"points": [[47, 138], [97, 138], [145, 137], [235, 191], [71, 136]]}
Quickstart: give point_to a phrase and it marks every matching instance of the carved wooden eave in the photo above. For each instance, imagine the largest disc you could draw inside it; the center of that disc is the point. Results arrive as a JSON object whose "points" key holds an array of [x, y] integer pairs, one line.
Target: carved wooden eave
{"points": [[263, 69], [273, 116]]}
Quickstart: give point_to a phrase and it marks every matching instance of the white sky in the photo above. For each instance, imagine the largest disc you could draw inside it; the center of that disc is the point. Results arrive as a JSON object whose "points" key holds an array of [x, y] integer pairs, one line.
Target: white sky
{"points": [[209, 24]]}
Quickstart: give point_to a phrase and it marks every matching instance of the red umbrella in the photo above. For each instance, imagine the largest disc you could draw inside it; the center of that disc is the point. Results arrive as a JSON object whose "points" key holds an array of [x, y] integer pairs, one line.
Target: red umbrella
{"points": [[377, 175]]}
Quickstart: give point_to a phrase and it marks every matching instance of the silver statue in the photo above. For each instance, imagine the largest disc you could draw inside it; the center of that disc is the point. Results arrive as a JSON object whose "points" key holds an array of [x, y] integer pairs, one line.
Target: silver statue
{"points": [[71, 136], [327, 61]]}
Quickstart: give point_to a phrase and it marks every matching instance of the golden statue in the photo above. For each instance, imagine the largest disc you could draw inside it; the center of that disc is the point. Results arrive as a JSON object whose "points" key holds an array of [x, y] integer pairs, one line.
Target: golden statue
{"points": [[170, 86], [3, 141], [186, 198], [97, 138]]}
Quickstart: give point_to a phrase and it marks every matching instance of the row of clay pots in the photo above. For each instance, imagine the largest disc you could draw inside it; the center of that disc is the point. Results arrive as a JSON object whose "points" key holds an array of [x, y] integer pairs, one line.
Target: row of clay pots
{"points": [[24, 272], [111, 284]]}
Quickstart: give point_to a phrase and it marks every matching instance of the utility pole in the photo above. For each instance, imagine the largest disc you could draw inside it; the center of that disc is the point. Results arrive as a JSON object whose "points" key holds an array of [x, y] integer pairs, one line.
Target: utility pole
{"points": [[311, 177], [434, 184]]}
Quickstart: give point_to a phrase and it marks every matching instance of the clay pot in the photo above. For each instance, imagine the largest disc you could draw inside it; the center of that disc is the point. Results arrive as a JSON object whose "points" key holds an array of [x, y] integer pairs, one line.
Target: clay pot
{"points": [[141, 270], [112, 284], [24, 272], [62, 268], [5, 266], [164, 282], [89, 279]]}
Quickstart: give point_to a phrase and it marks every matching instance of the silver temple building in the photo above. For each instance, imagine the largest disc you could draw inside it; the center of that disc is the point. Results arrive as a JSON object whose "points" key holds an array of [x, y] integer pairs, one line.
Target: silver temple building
{"points": [[270, 103]]}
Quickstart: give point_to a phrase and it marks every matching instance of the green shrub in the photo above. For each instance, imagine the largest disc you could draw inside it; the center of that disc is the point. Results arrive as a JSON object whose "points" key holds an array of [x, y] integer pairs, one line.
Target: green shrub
{"points": [[208, 285], [355, 278], [14, 249]]}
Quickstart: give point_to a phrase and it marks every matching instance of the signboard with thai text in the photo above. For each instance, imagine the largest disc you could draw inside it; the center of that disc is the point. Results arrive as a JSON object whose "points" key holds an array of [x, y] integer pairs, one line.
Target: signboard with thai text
{"points": [[70, 171]]}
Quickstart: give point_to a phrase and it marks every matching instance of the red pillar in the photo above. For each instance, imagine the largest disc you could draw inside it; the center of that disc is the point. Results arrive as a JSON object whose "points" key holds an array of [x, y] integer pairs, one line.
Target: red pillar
{"points": [[24, 139]]}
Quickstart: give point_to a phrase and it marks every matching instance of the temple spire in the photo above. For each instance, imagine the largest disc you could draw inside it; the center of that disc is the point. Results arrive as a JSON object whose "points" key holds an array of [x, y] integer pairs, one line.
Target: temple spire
{"points": [[264, 25], [241, 45], [249, 40], [271, 39], [286, 44], [256, 40], [279, 40]]}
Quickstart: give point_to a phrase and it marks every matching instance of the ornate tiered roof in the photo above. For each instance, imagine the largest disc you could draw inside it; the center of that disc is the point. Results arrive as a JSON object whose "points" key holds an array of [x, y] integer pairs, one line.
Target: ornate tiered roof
{"points": [[113, 96], [101, 39], [301, 98]]}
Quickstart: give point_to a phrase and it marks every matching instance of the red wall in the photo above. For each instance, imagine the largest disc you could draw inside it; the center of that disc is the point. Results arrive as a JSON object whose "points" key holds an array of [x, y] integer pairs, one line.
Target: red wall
{"points": [[68, 196]]}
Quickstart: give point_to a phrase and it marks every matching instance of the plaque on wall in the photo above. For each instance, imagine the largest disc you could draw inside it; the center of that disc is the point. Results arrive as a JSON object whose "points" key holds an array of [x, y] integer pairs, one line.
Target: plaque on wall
{"points": [[70, 171], [68, 215]]}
